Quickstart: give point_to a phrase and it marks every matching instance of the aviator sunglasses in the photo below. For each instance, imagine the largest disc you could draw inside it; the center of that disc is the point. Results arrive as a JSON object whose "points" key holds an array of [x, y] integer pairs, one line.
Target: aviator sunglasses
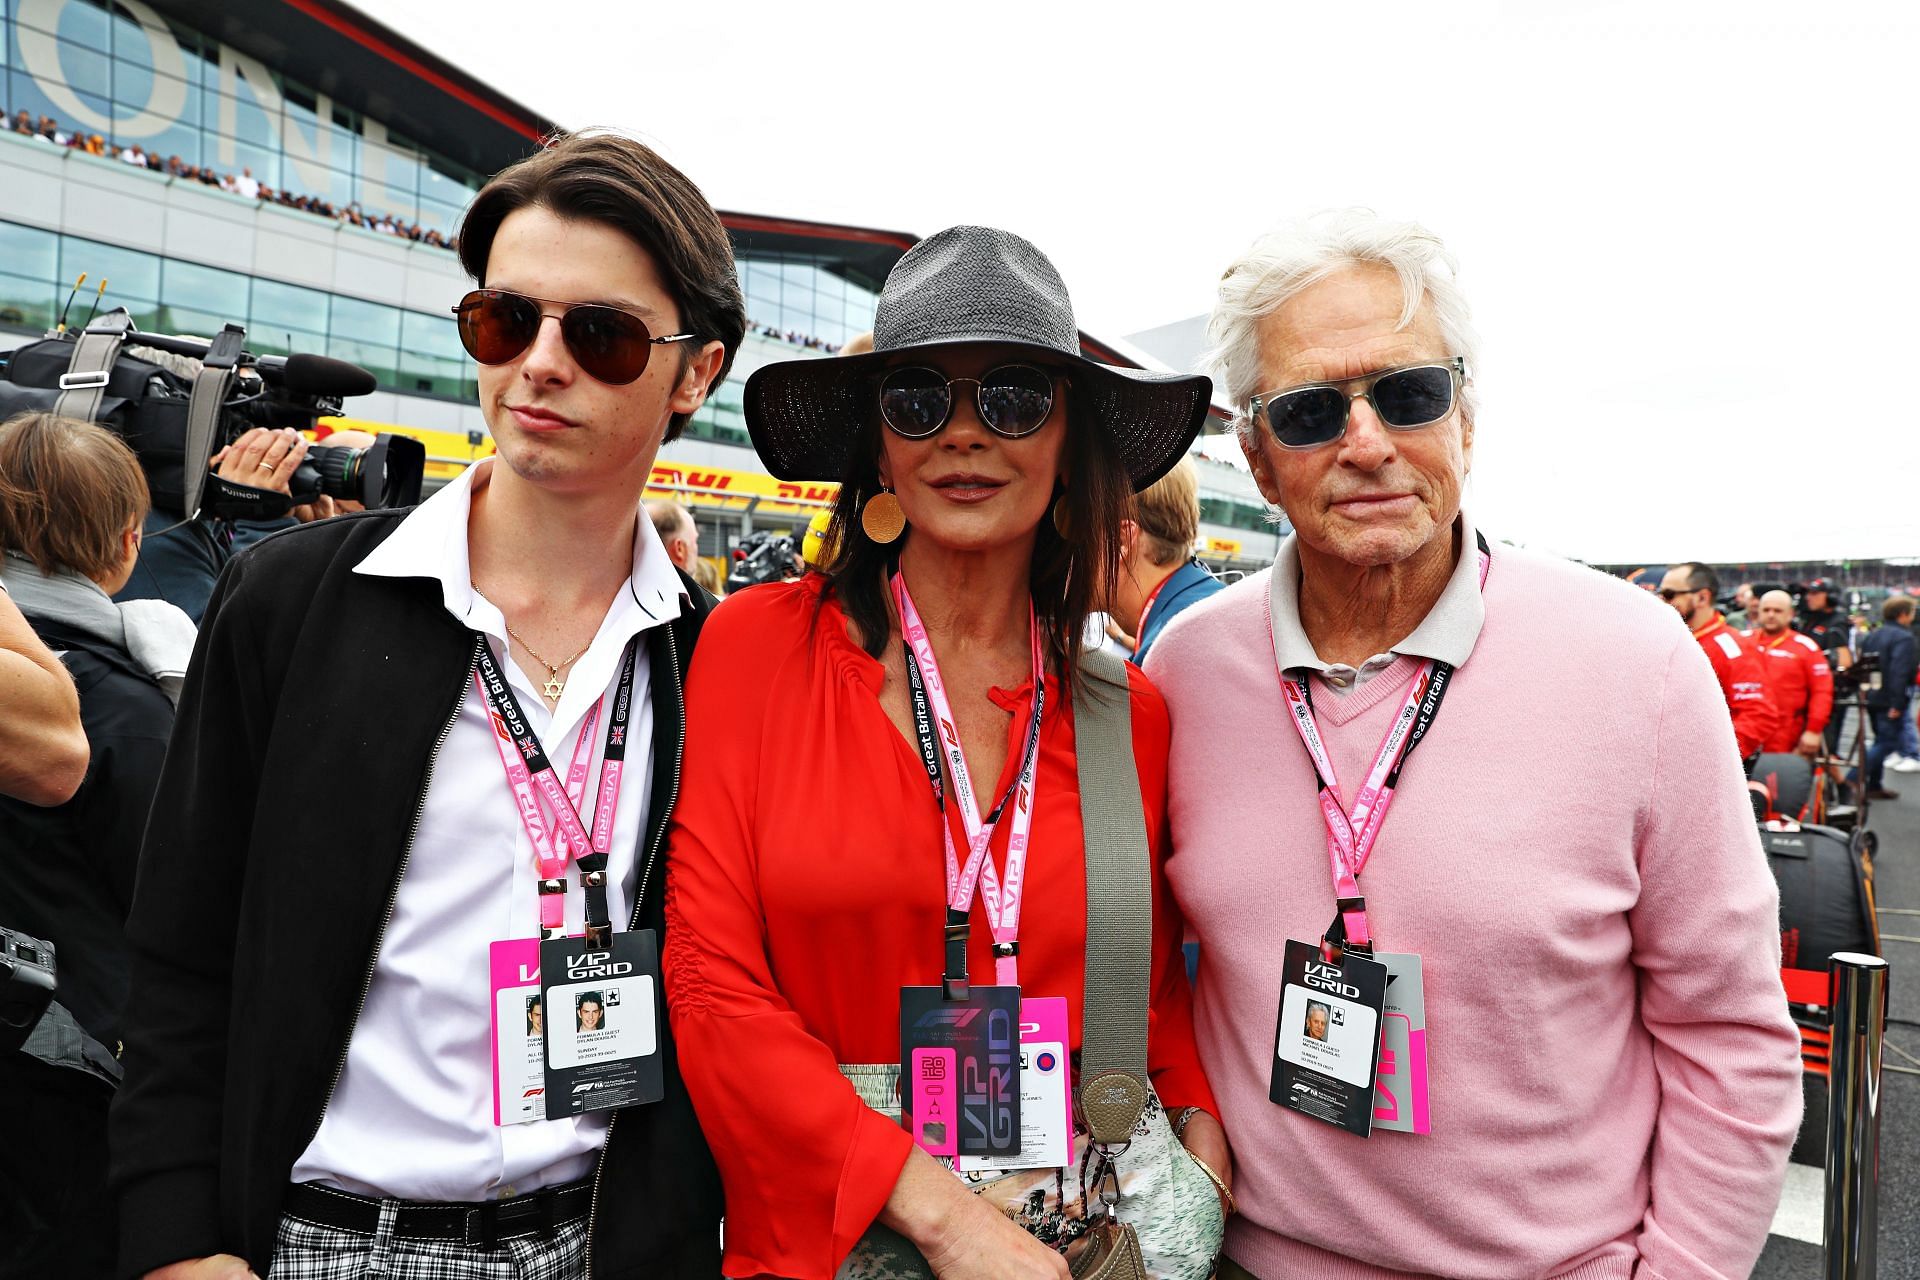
{"points": [[1013, 400], [1406, 399], [609, 345]]}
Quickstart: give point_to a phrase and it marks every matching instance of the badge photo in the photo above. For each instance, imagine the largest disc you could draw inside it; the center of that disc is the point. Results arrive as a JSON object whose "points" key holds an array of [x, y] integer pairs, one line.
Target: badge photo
{"points": [[1327, 1042], [602, 1012]]}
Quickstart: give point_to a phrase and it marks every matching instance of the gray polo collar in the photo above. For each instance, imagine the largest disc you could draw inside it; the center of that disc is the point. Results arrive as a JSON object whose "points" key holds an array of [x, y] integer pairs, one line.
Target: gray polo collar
{"points": [[1447, 634]]}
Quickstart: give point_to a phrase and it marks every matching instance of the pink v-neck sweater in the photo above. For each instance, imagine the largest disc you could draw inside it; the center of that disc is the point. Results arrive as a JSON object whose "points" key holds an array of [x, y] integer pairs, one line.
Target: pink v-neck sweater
{"points": [[1614, 1078]]}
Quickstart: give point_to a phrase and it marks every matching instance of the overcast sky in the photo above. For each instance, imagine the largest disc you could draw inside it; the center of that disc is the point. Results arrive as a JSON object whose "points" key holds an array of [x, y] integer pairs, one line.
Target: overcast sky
{"points": [[1688, 230]]}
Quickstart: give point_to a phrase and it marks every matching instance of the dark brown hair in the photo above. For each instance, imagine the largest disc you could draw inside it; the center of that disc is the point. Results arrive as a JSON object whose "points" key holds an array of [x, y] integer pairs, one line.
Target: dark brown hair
{"points": [[1067, 572], [69, 491], [598, 176]]}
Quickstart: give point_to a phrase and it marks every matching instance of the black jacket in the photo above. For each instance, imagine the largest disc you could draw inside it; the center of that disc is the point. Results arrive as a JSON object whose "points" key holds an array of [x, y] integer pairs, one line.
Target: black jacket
{"points": [[66, 873], [1898, 660], [315, 704]]}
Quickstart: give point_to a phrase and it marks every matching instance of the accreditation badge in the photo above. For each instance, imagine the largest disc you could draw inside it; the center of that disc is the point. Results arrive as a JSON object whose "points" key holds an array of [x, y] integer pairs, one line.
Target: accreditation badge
{"points": [[1328, 1040], [1046, 1111], [960, 1070], [1400, 1089], [603, 1017], [519, 1022]]}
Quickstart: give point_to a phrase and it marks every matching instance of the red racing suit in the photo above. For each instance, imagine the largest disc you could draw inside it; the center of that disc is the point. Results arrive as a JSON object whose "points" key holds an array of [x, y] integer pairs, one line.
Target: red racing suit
{"points": [[1743, 681], [1800, 683]]}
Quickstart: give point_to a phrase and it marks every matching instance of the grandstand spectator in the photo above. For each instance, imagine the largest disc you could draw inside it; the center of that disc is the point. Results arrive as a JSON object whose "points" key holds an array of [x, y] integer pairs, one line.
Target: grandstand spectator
{"points": [[71, 502], [1580, 738], [23, 123], [1691, 589], [246, 185], [1893, 644], [1158, 574], [1799, 679]]}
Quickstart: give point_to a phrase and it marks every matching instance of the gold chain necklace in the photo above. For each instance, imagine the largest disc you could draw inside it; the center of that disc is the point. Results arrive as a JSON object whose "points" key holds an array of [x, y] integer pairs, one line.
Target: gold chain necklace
{"points": [[554, 686]]}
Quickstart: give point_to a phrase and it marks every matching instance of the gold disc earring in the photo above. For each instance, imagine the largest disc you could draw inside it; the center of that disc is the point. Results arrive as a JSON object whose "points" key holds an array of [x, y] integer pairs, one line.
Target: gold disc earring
{"points": [[882, 519], [1062, 524]]}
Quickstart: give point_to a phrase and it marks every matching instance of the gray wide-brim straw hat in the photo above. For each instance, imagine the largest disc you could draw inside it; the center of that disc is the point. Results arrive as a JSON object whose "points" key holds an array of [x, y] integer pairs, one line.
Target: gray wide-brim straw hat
{"points": [[966, 285]]}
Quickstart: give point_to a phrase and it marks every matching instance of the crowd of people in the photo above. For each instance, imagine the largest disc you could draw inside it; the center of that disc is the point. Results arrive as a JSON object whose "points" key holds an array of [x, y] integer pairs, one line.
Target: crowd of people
{"points": [[244, 184], [1789, 670], [866, 890], [794, 337]]}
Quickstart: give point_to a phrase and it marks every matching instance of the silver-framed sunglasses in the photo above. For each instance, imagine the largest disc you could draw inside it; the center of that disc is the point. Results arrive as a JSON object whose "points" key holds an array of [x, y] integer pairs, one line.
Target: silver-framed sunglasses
{"points": [[1013, 400], [1405, 398]]}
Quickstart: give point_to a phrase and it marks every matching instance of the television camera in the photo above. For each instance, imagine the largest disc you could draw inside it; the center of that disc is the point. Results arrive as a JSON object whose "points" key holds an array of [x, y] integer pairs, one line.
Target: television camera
{"points": [[177, 401]]}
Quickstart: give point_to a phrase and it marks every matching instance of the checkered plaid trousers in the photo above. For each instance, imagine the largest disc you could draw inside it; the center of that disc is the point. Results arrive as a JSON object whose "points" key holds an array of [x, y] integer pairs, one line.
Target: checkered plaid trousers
{"points": [[306, 1251]]}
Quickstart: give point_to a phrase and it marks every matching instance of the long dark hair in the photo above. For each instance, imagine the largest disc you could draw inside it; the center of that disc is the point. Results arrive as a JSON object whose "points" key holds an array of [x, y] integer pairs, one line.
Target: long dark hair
{"points": [[1067, 572]]}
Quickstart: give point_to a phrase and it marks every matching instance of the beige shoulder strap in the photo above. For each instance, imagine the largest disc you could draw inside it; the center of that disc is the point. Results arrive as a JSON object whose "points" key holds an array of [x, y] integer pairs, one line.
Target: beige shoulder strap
{"points": [[1113, 1035]]}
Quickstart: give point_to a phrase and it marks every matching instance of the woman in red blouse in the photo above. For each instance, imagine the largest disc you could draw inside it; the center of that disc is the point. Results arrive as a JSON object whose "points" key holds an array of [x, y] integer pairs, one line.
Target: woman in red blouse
{"points": [[805, 879]]}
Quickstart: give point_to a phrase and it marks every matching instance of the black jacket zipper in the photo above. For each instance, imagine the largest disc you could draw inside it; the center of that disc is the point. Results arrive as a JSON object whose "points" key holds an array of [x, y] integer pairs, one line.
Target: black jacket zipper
{"points": [[639, 897]]}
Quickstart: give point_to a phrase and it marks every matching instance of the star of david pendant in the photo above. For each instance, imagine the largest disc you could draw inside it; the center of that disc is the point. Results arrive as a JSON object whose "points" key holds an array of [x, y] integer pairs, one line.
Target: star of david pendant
{"points": [[553, 687]]}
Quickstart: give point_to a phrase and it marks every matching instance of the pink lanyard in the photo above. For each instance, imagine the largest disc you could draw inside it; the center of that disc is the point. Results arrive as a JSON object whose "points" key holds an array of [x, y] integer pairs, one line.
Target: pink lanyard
{"points": [[1352, 833], [1000, 902], [531, 776]]}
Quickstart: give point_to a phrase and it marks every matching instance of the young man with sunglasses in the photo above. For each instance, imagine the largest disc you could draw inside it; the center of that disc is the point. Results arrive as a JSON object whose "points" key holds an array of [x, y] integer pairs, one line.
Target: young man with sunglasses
{"points": [[1691, 589], [327, 1066], [1548, 940]]}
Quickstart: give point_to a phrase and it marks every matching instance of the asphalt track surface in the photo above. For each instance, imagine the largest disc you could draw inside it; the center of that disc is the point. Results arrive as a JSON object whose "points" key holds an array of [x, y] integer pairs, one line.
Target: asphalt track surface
{"points": [[1897, 881]]}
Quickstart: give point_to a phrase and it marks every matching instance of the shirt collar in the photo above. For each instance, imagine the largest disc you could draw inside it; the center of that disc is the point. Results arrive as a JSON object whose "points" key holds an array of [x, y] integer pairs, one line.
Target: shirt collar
{"points": [[1447, 634], [431, 542]]}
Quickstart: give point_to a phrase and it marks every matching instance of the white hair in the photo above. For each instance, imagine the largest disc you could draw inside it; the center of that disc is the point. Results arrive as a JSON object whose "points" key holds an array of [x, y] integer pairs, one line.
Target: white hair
{"points": [[1286, 260]]}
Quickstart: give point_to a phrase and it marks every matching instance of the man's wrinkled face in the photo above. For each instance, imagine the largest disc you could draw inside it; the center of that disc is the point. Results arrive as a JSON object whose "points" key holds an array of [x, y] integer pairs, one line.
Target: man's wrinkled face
{"points": [[1375, 496]]}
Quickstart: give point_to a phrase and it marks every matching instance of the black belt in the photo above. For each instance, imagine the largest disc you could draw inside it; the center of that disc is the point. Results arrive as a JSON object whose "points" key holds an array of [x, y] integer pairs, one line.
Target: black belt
{"points": [[485, 1223]]}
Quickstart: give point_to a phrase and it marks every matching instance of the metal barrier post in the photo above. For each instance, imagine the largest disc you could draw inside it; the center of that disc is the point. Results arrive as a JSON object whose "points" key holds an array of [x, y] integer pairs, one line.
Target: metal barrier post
{"points": [[1859, 991]]}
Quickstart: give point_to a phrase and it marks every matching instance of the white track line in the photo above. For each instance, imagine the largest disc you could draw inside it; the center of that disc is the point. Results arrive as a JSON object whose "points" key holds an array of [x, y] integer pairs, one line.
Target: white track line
{"points": [[1803, 1203]]}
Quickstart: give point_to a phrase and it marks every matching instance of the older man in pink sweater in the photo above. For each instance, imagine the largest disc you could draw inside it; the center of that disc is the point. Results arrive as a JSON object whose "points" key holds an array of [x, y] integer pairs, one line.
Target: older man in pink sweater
{"points": [[1604, 1081]]}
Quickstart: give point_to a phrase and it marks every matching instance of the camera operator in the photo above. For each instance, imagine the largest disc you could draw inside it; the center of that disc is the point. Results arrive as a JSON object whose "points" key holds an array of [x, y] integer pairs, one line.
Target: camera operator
{"points": [[43, 749], [1826, 625], [1892, 644], [72, 497], [180, 561]]}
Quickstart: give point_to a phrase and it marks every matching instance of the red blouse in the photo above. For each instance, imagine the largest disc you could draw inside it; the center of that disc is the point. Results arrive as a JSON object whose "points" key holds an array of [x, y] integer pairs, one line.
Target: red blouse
{"points": [[805, 886]]}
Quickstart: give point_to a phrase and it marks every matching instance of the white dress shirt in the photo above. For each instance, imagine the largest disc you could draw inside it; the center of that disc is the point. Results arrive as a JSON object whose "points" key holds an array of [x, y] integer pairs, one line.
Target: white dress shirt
{"points": [[412, 1114]]}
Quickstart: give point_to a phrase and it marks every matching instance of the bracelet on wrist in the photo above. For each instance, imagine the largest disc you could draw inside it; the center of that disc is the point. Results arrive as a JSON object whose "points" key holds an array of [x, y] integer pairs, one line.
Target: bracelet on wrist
{"points": [[1228, 1204]]}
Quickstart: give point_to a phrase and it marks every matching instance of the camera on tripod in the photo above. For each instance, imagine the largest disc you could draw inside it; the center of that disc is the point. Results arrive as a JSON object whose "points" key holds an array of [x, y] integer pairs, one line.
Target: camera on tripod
{"points": [[1862, 676], [175, 414]]}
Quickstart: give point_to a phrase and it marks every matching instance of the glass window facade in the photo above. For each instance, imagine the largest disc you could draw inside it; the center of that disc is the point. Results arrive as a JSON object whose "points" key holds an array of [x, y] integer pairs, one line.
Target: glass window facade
{"points": [[136, 78], [1235, 513], [798, 305], [407, 351]]}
